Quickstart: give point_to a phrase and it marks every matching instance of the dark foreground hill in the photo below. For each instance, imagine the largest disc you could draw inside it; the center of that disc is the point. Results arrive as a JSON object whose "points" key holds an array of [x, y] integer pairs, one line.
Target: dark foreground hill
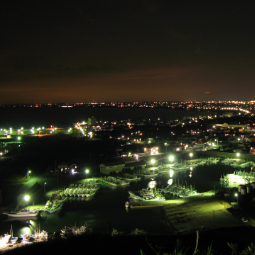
{"points": [[160, 244]]}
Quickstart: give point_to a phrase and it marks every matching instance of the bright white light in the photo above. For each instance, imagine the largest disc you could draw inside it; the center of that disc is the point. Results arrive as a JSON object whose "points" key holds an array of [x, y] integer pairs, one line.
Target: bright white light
{"points": [[171, 158], [171, 173], [152, 184], [170, 182], [26, 197]]}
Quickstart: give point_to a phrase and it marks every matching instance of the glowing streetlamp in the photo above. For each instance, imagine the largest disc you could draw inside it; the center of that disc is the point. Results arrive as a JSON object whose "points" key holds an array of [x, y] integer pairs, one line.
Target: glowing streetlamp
{"points": [[191, 155], [28, 172], [236, 197], [171, 158], [238, 154], [170, 182], [166, 146], [153, 161], [152, 184], [26, 198], [44, 187], [86, 172]]}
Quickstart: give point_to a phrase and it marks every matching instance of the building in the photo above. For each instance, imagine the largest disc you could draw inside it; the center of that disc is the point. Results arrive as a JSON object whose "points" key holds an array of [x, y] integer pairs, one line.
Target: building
{"points": [[133, 166], [62, 168], [112, 167], [92, 121]]}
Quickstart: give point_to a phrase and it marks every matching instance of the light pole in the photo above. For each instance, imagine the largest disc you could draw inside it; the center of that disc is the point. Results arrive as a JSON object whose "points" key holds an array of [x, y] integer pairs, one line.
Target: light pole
{"points": [[236, 194], [28, 172], [166, 146], [171, 158], [44, 187], [26, 198], [86, 172]]}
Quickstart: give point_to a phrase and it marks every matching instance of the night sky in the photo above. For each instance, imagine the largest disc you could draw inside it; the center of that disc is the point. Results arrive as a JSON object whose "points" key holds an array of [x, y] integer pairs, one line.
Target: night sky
{"points": [[126, 50]]}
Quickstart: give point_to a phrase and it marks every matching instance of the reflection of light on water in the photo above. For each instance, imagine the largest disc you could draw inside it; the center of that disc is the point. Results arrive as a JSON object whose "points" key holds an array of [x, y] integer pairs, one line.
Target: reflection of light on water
{"points": [[191, 168], [171, 173], [190, 174], [170, 182], [25, 231]]}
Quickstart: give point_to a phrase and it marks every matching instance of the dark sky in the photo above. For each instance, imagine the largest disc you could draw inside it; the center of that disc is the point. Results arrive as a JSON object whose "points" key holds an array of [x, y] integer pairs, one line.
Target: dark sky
{"points": [[126, 50]]}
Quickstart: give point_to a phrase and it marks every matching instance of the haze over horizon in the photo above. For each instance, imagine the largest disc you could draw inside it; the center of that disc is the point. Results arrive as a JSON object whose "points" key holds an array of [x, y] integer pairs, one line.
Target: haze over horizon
{"points": [[143, 50]]}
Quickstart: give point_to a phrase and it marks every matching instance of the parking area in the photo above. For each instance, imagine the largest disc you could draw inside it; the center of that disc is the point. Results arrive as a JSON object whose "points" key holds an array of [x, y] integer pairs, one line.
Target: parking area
{"points": [[201, 215]]}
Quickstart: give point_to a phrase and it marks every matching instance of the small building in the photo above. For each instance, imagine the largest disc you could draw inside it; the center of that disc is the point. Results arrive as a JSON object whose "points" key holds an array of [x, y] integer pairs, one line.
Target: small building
{"points": [[92, 121], [73, 168], [139, 165], [62, 168], [112, 167]]}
